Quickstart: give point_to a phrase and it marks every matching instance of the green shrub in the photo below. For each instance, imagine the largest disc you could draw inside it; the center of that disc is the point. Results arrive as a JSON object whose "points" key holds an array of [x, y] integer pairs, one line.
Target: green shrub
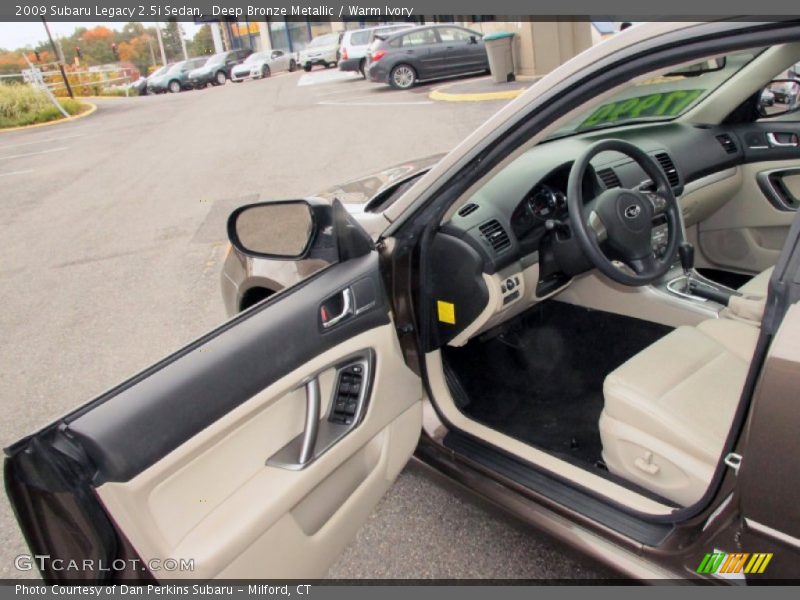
{"points": [[22, 104]]}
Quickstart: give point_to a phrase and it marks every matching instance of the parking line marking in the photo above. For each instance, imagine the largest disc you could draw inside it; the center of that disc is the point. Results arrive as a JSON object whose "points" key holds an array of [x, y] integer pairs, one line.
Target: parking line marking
{"points": [[376, 103], [55, 139], [34, 153], [16, 172]]}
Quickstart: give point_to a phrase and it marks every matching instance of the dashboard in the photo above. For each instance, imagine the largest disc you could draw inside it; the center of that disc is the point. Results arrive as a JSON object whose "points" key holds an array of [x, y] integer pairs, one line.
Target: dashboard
{"points": [[547, 200], [497, 252]]}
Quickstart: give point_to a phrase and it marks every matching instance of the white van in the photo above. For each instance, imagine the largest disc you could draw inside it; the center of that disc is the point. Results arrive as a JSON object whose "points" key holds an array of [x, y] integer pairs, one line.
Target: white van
{"points": [[353, 51]]}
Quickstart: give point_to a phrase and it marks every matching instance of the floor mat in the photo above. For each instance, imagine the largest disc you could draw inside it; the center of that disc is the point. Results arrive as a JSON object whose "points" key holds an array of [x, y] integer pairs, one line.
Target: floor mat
{"points": [[726, 278], [541, 380]]}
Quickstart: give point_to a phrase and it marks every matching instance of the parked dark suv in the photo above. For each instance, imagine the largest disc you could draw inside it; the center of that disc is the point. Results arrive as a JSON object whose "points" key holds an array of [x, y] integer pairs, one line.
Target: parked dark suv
{"points": [[217, 69]]}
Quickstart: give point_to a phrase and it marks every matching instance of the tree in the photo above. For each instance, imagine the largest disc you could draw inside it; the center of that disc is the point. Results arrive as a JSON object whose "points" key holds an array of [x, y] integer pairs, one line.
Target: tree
{"points": [[137, 51], [203, 43], [172, 40]]}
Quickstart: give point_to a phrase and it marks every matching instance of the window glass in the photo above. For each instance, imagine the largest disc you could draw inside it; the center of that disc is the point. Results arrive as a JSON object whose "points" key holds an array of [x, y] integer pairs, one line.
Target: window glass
{"points": [[660, 98], [419, 38], [359, 38], [780, 99], [454, 35]]}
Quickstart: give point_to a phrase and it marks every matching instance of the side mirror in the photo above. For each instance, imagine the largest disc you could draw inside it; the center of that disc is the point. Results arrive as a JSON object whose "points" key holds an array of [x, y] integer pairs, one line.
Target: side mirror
{"points": [[779, 97], [297, 230], [277, 230], [473, 39]]}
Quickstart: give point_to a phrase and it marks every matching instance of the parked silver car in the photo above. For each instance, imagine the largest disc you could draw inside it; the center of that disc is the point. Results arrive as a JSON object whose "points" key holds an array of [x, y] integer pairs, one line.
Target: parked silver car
{"points": [[263, 64]]}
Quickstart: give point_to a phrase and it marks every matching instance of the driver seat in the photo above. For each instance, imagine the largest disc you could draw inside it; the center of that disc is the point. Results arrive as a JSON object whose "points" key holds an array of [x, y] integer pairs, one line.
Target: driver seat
{"points": [[668, 410]]}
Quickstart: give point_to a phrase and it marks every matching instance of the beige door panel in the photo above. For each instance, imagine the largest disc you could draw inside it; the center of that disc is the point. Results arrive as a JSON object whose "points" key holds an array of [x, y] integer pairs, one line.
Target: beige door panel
{"points": [[747, 232], [215, 500]]}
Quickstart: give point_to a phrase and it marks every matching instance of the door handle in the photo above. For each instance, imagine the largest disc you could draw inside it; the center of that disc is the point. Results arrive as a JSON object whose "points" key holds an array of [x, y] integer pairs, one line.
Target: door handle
{"points": [[329, 320], [776, 143], [312, 422]]}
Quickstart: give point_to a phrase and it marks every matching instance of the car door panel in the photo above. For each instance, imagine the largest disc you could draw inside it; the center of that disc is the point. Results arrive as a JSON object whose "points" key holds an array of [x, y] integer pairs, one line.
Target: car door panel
{"points": [[177, 456], [748, 231]]}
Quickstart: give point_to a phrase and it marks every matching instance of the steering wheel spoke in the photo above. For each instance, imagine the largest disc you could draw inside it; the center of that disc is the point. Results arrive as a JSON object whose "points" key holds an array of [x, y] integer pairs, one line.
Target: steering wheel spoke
{"points": [[658, 201], [645, 266], [597, 226]]}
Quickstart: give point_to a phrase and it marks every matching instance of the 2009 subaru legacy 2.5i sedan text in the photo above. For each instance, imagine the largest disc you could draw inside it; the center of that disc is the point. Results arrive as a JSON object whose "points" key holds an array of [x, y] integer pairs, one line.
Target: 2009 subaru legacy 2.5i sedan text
{"points": [[587, 313]]}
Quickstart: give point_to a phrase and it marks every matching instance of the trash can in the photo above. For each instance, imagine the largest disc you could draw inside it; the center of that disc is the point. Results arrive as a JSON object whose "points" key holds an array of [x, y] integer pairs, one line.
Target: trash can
{"points": [[501, 60]]}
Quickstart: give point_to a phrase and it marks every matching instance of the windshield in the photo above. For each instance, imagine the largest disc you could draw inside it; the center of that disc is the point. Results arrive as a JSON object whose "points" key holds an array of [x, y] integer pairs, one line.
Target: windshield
{"points": [[176, 68], [159, 71], [255, 57], [217, 59], [324, 40], [658, 99]]}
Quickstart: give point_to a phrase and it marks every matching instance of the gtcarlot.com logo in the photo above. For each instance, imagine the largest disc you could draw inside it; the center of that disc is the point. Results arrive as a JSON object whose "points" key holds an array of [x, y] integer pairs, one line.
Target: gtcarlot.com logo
{"points": [[26, 562], [735, 563]]}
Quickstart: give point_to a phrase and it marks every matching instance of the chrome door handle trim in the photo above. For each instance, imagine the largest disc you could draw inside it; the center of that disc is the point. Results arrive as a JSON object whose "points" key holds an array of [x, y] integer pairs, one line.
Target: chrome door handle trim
{"points": [[313, 401], [347, 310], [773, 141]]}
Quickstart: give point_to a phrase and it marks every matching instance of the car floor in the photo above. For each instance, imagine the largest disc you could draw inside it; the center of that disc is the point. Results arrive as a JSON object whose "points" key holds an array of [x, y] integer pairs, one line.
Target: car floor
{"points": [[539, 378]]}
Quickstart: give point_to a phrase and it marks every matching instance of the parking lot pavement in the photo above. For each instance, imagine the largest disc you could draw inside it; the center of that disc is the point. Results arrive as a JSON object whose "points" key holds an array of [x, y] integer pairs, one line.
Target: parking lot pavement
{"points": [[113, 238]]}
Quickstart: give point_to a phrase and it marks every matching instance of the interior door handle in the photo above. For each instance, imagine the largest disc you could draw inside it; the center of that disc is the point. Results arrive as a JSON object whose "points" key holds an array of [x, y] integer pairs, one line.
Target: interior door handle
{"points": [[347, 310], [775, 142], [313, 402]]}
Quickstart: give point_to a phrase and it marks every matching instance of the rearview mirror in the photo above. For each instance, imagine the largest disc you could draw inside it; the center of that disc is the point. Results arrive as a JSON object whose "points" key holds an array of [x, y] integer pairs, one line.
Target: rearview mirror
{"points": [[278, 230], [693, 70], [779, 97]]}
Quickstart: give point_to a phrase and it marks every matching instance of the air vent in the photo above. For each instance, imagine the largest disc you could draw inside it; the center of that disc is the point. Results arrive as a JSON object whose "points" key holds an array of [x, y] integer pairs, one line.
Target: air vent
{"points": [[494, 233], [727, 143], [609, 178], [669, 168], [467, 209]]}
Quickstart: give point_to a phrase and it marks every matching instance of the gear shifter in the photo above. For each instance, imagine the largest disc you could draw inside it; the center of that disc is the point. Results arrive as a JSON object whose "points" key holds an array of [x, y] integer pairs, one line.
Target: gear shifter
{"points": [[695, 287], [686, 253]]}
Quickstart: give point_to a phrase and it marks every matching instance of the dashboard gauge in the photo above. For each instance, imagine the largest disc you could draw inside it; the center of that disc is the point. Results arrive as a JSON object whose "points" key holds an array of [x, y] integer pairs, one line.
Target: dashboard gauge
{"points": [[546, 202]]}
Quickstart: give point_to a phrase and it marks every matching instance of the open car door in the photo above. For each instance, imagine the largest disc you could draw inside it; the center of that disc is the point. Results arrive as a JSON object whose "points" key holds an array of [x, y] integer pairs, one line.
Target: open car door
{"points": [[256, 451]]}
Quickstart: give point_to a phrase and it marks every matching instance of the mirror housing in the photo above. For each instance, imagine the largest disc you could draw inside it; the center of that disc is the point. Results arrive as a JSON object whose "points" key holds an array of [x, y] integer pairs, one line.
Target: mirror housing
{"points": [[706, 66], [297, 230], [779, 97]]}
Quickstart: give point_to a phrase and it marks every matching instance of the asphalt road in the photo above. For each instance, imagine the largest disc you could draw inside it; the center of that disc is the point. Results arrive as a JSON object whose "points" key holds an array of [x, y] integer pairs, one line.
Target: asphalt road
{"points": [[112, 241]]}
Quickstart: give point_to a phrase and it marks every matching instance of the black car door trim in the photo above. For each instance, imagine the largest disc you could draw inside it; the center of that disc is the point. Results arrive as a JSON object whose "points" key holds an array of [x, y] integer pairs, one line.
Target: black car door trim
{"points": [[136, 424]]}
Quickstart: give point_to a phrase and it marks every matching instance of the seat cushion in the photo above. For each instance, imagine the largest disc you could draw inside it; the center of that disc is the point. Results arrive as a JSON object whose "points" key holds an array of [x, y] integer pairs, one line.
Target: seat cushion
{"points": [[758, 285], [674, 403]]}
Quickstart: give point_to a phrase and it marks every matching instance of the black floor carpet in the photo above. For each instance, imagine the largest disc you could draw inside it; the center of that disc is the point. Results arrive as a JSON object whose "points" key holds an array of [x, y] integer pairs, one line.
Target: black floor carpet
{"points": [[541, 380], [726, 278]]}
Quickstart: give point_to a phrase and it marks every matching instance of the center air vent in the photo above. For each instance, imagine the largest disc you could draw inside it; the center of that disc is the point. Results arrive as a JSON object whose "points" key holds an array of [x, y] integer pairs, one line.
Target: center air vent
{"points": [[727, 143], [609, 178], [467, 209], [669, 168], [494, 233]]}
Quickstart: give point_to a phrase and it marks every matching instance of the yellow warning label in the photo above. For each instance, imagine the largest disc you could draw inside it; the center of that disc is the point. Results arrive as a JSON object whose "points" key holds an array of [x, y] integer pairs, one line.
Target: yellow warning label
{"points": [[447, 312]]}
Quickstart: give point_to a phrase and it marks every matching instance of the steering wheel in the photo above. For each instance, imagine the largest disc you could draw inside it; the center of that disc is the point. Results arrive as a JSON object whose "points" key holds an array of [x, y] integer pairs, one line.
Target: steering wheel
{"points": [[619, 222]]}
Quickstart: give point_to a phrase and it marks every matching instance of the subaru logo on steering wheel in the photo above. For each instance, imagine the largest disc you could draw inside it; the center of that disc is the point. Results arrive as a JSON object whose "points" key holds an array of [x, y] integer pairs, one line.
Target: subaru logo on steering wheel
{"points": [[633, 211]]}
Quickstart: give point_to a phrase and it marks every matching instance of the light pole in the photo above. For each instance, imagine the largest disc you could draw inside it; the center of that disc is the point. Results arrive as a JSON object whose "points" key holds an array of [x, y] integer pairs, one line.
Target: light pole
{"points": [[57, 54], [161, 44]]}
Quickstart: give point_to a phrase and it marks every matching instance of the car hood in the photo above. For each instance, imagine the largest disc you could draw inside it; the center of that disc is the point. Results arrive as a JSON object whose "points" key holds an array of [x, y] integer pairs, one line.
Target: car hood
{"points": [[355, 193]]}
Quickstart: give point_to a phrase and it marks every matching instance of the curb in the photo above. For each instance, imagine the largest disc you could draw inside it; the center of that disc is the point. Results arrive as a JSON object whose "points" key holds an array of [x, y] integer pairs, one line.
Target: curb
{"points": [[474, 97], [86, 113], [442, 96]]}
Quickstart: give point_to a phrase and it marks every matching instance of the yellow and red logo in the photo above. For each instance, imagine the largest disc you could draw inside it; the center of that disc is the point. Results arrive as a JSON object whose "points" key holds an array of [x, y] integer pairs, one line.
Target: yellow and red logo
{"points": [[730, 563]]}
